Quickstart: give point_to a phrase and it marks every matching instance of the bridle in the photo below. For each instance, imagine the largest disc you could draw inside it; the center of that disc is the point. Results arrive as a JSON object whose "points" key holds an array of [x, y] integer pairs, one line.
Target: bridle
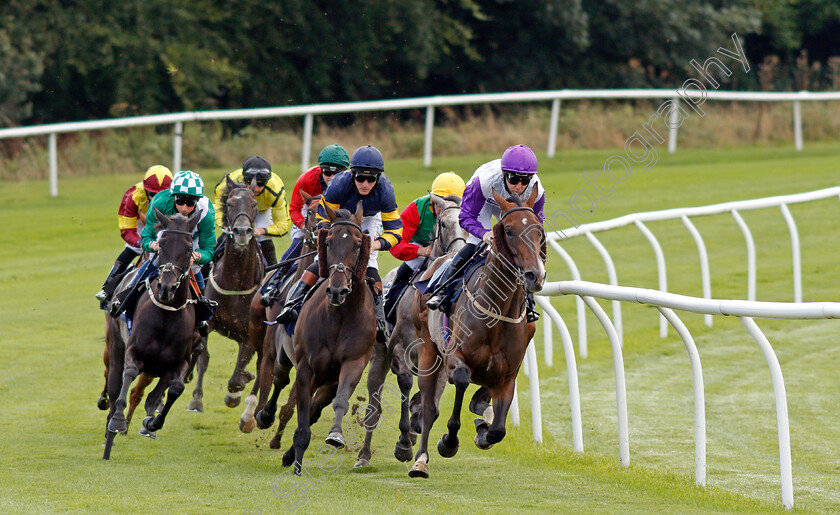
{"points": [[310, 237], [441, 226], [341, 267], [228, 228], [181, 273]]}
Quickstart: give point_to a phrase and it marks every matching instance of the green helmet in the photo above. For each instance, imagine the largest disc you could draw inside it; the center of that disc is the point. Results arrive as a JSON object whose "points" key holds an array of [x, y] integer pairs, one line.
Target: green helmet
{"points": [[187, 183], [334, 154]]}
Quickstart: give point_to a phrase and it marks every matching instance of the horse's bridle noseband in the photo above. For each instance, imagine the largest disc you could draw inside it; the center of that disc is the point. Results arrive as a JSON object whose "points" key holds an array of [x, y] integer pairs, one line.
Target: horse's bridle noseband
{"points": [[171, 268], [341, 267], [229, 231]]}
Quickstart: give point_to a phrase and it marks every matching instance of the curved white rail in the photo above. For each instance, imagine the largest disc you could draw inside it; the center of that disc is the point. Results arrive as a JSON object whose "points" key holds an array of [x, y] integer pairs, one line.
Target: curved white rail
{"points": [[581, 312], [797, 260], [613, 277], [704, 263], [748, 238], [660, 268]]}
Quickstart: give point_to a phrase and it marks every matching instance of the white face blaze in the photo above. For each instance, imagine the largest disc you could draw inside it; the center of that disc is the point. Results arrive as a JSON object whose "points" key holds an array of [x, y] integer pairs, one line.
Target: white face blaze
{"points": [[344, 235]]}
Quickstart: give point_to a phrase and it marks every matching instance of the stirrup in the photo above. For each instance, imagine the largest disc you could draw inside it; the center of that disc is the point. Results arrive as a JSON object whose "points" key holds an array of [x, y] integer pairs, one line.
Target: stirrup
{"points": [[115, 310], [435, 301], [267, 297], [101, 295], [531, 315], [203, 328], [288, 314]]}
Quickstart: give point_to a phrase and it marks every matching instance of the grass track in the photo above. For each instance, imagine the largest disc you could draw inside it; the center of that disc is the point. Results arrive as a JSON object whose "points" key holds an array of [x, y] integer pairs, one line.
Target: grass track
{"points": [[55, 252]]}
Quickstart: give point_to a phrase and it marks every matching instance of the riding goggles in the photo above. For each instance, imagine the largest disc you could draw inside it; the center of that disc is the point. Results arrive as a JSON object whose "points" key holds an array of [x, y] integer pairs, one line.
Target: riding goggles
{"points": [[362, 177], [185, 201], [329, 169], [261, 175], [518, 178]]}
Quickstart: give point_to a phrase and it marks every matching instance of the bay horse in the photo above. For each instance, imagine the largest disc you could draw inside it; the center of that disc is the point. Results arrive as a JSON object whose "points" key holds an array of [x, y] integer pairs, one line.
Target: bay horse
{"points": [[487, 336], [163, 331], [400, 354], [335, 331], [275, 366], [231, 282]]}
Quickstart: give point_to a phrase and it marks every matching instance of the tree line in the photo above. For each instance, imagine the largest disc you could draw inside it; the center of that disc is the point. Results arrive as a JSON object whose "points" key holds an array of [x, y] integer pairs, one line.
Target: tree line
{"points": [[64, 60]]}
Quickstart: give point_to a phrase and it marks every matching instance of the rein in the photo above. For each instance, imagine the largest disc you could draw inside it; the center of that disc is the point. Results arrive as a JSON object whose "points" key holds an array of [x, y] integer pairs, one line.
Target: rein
{"points": [[439, 224], [223, 291]]}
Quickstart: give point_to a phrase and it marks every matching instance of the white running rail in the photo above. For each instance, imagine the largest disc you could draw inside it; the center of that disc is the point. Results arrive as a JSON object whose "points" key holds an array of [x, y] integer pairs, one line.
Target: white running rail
{"points": [[555, 239], [745, 310], [308, 112]]}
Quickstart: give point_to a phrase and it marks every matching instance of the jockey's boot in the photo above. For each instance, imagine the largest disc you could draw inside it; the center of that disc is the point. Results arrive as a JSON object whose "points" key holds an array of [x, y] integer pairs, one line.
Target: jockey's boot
{"points": [[271, 288], [204, 310], [112, 281], [439, 295], [268, 252], [404, 273], [531, 313], [379, 304], [291, 310]]}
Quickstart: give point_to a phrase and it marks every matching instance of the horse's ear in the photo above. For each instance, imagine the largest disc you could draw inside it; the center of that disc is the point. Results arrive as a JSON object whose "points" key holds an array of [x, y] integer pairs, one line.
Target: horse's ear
{"points": [[330, 213], [193, 220], [504, 204], [437, 200], [306, 196], [533, 198], [162, 219], [359, 214], [229, 184]]}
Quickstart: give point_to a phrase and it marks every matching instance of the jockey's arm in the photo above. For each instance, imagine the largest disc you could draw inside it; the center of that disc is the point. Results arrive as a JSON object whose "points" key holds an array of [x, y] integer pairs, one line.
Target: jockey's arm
{"points": [[281, 221], [218, 208], [206, 238], [127, 220], [296, 204], [405, 250], [149, 235], [471, 208]]}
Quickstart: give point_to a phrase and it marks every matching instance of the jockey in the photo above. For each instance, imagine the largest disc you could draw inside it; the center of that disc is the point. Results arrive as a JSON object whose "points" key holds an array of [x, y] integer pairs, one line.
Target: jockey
{"points": [[367, 182], [185, 195], [131, 217], [332, 159], [272, 210], [515, 173], [418, 220]]}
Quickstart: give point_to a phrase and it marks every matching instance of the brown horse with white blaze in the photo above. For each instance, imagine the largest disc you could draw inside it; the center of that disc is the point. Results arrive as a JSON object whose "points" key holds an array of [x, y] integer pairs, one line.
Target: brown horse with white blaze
{"points": [[488, 333]]}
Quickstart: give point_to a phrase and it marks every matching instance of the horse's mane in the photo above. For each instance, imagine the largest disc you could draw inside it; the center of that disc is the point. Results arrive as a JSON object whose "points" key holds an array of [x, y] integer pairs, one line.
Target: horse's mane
{"points": [[453, 198], [177, 217]]}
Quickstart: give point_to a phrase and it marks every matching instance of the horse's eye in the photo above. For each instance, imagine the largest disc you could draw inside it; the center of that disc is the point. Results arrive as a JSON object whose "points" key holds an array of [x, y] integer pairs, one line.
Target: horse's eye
{"points": [[328, 243], [358, 245], [508, 232]]}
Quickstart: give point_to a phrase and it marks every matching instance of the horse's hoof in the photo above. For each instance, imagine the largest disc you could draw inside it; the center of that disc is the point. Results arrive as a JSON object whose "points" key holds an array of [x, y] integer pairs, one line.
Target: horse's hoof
{"points": [[117, 425], [419, 469], [196, 406], [275, 442], [413, 437], [102, 403], [148, 434], [263, 419], [481, 442], [403, 454], [247, 426], [446, 451], [335, 439], [289, 457], [361, 463], [153, 424], [232, 399]]}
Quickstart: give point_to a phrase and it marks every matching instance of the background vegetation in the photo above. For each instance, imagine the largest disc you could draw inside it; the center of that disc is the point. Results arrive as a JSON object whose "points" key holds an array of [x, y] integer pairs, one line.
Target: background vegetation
{"points": [[55, 253]]}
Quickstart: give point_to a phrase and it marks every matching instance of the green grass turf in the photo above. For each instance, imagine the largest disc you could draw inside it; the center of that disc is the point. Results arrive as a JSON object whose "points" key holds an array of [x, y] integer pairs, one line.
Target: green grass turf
{"points": [[54, 254]]}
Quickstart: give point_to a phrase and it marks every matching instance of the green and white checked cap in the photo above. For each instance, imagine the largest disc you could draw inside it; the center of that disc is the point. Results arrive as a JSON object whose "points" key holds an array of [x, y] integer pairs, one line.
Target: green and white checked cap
{"points": [[187, 183]]}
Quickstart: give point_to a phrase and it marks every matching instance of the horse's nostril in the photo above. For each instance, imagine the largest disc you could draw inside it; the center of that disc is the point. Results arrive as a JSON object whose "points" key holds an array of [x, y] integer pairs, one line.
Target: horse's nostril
{"points": [[530, 276], [344, 291], [329, 291]]}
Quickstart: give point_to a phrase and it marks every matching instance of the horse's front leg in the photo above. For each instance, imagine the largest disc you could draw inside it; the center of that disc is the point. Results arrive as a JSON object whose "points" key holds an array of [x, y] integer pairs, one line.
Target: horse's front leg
{"points": [[460, 374], [282, 369], [303, 433], [348, 378], [240, 376], [405, 380], [265, 378], [427, 378], [377, 371], [153, 401], [131, 369], [137, 395], [176, 388], [202, 360], [486, 435]]}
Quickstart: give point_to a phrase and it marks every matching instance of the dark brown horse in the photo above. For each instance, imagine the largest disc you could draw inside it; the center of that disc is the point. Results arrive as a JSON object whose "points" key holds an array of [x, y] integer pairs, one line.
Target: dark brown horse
{"points": [[487, 335], [400, 354], [232, 282], [273, 367], [163, 331], [335, 332]]}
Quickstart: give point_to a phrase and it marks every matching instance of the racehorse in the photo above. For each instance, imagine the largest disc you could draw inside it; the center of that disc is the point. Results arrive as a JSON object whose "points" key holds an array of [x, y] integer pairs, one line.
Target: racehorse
{"points": [[335, 331], [487, 336], [231, 282], [163, 331], [275, 367], [448, 237]]}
